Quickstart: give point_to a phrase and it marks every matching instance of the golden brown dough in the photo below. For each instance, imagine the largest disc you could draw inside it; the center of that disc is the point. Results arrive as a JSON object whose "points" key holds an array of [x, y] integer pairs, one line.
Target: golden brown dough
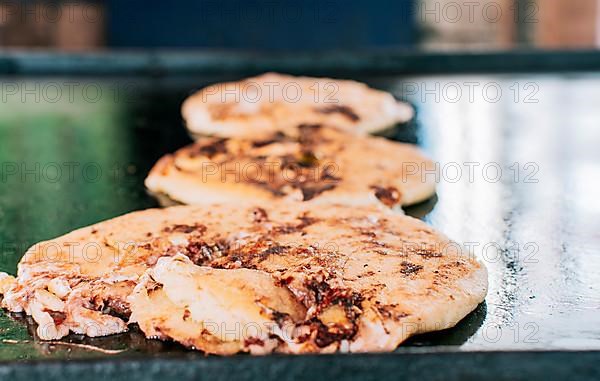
{"points": [[320, 279], [272, 102], [316, 164]]}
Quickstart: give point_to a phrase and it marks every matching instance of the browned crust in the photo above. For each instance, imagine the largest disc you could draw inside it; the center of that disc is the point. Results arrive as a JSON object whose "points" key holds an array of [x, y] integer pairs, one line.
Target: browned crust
{"points": [[348, 105], [382, 272], [319, 164]]}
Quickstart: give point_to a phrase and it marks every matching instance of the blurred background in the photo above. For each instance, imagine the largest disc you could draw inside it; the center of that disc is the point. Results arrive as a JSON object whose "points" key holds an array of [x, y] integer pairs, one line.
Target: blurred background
{"points": [[82, 25]]}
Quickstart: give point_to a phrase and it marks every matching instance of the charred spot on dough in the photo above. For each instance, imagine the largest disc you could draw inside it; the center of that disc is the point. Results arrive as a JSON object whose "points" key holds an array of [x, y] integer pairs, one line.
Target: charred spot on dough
{"points": [[113, 301], [118, 308], [452, 268], [427, 252], [366, 273], [295, 163], [388, 311], [183, 228], [324, 296], [247, 255], [259, 215], [305, 221], [310, 192], [425, 231], [146, 246], [307, 128], [308, 159], [277, 138], [389, 196], [408, 268], [253, 341], [284, 281], [346, 111], [326, 299], [209, 148], [326, 335], [366, 232], [57, 316], [201, 252], [379, 247], [377, 243], [309, 135], [285, 229], [327, 173], [280, 317], [381, 252], [310, 184], [273, 250]]}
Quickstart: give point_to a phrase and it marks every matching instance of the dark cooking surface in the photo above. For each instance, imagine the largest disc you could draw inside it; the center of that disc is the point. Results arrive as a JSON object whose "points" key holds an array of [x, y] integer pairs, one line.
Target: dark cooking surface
{"points": [[71, 157]]}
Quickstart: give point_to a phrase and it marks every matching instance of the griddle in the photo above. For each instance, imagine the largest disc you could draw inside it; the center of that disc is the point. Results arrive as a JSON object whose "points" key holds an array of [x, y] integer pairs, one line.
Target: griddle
{"points": [[74, 161]]}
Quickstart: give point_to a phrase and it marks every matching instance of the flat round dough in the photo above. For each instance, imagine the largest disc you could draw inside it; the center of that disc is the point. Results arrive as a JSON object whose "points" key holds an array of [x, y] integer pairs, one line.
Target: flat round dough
{"points": [[224, 278], [273, 102], [317, 165]]}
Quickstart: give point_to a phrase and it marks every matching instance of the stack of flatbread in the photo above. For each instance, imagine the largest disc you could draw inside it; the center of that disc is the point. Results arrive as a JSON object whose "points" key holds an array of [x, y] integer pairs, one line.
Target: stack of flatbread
{"points": [[293, 240]]}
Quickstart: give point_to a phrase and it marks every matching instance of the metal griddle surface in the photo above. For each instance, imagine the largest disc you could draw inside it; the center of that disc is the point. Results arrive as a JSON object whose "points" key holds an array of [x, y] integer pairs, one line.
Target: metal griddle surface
{"points": [[81, 159]]}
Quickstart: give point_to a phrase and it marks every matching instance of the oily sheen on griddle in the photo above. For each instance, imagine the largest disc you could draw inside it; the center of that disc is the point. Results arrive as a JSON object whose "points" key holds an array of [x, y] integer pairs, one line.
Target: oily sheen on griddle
{"points": [[228, 278]]}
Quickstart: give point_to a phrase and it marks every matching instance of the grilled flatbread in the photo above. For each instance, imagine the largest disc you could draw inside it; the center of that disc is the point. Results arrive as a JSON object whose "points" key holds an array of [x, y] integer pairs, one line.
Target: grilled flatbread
{"points": [[273, 102], [228, 278], [317, 164]]}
